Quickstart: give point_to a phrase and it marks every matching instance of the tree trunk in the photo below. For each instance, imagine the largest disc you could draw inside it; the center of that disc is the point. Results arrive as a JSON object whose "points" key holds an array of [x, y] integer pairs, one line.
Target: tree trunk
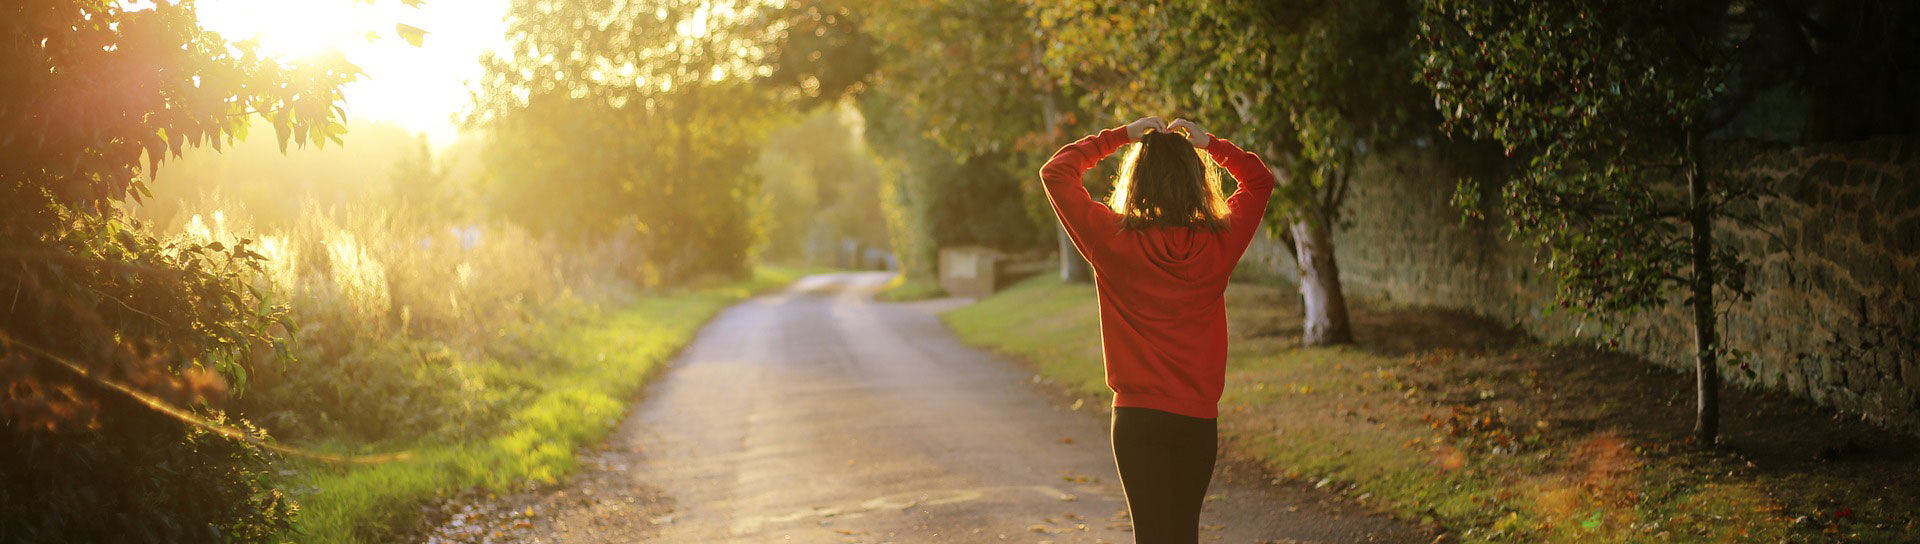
{"points": [[1706, 368], [1073, 266], [1325, 322]]}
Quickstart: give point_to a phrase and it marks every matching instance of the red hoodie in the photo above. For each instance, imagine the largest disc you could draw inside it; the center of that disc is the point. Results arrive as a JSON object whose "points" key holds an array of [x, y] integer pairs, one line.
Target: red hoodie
{"points": [[1163, 313]]}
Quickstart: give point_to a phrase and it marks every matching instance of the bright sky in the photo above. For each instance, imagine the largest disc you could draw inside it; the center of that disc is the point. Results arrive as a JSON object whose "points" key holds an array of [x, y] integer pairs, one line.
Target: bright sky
{"points": [[420, 88]]}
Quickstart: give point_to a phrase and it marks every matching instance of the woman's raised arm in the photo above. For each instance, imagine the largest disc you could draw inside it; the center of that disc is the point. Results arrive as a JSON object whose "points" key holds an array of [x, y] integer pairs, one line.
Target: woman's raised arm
{"points": [[1078, 212], [1255, 184]]}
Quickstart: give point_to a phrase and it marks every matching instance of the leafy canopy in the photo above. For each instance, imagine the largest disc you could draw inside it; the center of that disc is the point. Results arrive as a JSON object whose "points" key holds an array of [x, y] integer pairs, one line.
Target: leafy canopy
{"points": [[1606, 101], [1316, 84], [635, 119]]}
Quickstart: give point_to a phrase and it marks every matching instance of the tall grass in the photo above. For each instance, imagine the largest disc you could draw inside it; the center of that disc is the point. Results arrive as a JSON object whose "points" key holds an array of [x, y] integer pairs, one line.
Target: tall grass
{"points": [[482, 352], [596, 368], [401, 324]]}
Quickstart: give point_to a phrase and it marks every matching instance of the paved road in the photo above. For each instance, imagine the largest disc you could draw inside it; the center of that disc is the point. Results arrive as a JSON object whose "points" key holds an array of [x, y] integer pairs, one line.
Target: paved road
{"points": [[819, 415]]}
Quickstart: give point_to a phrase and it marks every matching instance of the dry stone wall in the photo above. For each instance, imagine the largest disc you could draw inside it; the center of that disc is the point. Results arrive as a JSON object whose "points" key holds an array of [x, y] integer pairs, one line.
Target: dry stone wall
{"points": [[1836, 310]]}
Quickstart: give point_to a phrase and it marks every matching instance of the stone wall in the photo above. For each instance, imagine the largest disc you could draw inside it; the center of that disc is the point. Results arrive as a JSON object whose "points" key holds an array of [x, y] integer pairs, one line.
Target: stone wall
{"points": [[1836, 310]]}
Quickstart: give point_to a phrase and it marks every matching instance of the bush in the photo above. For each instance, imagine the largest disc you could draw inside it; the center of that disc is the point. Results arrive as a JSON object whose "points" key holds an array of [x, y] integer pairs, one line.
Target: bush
{"points": [[138, 477], [105, 326]]}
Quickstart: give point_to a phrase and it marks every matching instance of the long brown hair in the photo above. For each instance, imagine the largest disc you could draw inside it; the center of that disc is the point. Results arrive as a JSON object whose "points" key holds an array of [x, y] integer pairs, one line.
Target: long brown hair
{"points": [[1164, 183]]}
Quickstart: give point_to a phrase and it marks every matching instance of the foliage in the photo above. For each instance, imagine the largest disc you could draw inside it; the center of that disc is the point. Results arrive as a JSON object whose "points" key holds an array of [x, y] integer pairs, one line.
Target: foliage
{"points": [[823, 189], [96, 95], [939, 198], [969, 69], [646, 114], [1607, 101], [815, 51], [92, 288], [1610, 101], [956, 106], [585, 372], [432, 338], [272, 189], [148, 480], [1311, 85], [907, 208], [963, 112], [401, 314], [425, 187], [1612, 104]]}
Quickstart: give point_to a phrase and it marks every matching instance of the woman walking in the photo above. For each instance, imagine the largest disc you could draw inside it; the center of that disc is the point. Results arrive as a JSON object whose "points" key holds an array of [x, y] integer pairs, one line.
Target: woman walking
{"points": [[1161, 249]]}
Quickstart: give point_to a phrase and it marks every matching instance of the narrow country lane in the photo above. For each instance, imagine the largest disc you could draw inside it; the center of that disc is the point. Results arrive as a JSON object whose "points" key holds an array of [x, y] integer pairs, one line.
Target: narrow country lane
{"points": [[819, 415]]}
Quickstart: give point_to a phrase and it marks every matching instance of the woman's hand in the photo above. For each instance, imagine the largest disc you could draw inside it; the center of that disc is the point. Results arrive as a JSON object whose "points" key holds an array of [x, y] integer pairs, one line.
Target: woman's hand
{"points": [[1195, 135], [1139, 128]]}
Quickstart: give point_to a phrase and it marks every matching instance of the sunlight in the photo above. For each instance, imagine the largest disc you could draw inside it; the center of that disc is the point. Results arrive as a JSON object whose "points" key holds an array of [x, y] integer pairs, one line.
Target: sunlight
{"points": [[696, 25], [552, 249], [290, 30], [422, 88]]}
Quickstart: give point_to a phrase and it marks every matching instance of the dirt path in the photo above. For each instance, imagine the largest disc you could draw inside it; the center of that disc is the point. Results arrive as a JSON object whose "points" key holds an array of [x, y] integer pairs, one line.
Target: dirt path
{"points": [[819, 415]]}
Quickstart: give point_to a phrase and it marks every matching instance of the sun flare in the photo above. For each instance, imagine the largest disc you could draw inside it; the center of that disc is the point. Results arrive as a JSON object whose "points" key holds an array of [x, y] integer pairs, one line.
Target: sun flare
{"points": [[290, 30], [421, 88]]}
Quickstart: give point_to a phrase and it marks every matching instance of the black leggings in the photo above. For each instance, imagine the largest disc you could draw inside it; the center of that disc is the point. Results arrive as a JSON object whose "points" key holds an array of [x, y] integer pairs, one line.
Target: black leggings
{"points": [[1166, 462]]}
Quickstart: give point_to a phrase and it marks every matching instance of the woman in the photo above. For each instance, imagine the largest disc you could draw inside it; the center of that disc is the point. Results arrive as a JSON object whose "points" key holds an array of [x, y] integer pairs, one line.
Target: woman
{"points": [[1161, 250]]}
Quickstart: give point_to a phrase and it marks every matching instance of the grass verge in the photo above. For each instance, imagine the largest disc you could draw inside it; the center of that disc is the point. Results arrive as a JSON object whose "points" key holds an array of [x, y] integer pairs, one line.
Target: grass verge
{"points": [[597, 367], [1443, 417], [902, 288]]}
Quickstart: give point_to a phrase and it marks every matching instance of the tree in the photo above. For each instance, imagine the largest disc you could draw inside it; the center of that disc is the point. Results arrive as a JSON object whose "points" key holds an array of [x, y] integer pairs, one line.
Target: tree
{"points": [[939, 198], [970, 72], [823, 187], [1313, 86], [636, 118], [116, 346], [817, 51], [419, 182], [940, 72], [1609, 104]]}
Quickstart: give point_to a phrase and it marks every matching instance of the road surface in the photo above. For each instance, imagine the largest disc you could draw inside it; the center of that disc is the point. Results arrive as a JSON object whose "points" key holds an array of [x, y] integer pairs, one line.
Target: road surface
{"points": [[820, 415]]}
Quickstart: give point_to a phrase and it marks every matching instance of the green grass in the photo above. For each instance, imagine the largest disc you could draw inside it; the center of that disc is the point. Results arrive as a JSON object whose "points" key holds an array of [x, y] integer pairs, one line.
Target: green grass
{"points": [[602, 362], [1494, 441], [903, 288], [1045, 322]]}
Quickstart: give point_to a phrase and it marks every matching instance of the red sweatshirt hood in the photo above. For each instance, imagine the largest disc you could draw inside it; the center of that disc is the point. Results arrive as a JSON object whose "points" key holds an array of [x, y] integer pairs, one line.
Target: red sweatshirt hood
{"points": [[1177, 252]]}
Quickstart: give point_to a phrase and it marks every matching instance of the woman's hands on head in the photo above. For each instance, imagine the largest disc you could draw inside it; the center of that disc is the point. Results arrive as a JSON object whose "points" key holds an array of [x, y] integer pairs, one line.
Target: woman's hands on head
{"points": [[1195, 135], [1137, 129]]}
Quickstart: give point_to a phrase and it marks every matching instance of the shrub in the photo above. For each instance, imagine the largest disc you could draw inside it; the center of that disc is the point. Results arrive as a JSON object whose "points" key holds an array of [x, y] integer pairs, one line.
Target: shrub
{"points": [[138, 477], [89, 457]]}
